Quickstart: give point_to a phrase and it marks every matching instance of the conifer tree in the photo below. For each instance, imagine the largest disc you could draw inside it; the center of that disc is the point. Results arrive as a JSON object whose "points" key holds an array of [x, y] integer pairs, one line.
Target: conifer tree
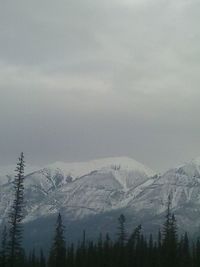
{"points": [[106, 251], [15, 251], [184, 251], [197, 254], [159, 249], [33, 259], [135, 236], [122, 236], [3, 256], [57, 256], [42, 259], [70, 256], [150, 254], [169, 238]]}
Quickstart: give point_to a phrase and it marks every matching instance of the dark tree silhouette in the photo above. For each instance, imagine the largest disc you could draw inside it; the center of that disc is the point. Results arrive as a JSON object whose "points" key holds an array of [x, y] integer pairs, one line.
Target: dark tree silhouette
{"points": [[170, 240], [3, 256], [122, 236], [15, 251], [57, 256]]}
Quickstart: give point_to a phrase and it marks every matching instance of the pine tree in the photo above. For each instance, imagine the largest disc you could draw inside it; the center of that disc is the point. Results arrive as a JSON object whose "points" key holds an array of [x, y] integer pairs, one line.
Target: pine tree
{"points": [[122, 236], [159, 249], [42, 259], [15, 251], [33, 259], [3, 256], [151, 259], [106, 251], [184, 251], [57, 256], [170, 238], [135, 236], [197, 254], [70, 256]]}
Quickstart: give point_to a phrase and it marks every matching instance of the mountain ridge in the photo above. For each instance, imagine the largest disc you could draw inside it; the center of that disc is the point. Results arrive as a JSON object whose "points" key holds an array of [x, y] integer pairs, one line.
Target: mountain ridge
{"points": [[106, 187]]}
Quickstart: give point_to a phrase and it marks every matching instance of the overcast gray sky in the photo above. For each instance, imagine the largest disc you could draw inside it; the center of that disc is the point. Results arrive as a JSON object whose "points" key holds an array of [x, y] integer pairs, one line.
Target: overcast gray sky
{"points": [[83, 79]]}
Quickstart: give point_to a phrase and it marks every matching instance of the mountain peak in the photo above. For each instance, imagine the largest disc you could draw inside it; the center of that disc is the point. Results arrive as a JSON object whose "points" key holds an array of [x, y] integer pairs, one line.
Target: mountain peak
{"points": [[77, 169]]}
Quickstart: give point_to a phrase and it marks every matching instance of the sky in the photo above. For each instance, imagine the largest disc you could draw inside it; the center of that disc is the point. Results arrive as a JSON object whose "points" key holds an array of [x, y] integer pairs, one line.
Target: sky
{"points": [[81, 80]]}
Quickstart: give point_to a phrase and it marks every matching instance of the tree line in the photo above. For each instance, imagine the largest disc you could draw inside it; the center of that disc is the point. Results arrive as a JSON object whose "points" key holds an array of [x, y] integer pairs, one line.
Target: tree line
{"points": [[167, 249]]}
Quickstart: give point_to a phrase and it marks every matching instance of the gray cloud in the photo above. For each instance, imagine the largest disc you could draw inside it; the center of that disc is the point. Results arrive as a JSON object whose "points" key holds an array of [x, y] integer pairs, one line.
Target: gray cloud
{"points": [[86, 79]]}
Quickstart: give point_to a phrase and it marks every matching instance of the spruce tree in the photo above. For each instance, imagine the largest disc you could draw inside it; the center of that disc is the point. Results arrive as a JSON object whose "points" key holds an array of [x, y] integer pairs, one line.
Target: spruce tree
{"points": [[33, 258], [170, 238], [197, 254], [42, 259], [3, 256], [70, 256], [106, 251], [135, 236], [57, 257], [15, 251], [159, 249], [184, 251], [122, 236]]}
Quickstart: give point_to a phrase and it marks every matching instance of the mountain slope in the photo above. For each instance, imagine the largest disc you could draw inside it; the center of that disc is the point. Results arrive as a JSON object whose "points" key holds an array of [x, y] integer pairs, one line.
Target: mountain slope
{"points": [[93, 194], [80, 189]]}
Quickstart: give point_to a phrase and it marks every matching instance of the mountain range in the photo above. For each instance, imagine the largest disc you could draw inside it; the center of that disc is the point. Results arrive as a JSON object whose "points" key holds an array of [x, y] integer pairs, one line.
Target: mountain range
{"points": [[91, 196]]}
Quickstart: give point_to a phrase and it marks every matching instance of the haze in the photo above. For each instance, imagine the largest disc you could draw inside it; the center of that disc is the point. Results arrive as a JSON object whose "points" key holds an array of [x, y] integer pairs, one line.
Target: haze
{"points": [[88, 79]]}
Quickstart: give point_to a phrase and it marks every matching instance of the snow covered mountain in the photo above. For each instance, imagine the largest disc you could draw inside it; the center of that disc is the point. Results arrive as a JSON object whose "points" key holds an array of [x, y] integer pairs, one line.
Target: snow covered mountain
{"points": [[91, 195], [80, 188], [183, 185]]}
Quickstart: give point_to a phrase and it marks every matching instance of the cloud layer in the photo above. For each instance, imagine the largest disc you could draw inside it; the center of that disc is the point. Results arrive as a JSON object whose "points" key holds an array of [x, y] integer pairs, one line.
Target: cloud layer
{"points": [[86, 79]]}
